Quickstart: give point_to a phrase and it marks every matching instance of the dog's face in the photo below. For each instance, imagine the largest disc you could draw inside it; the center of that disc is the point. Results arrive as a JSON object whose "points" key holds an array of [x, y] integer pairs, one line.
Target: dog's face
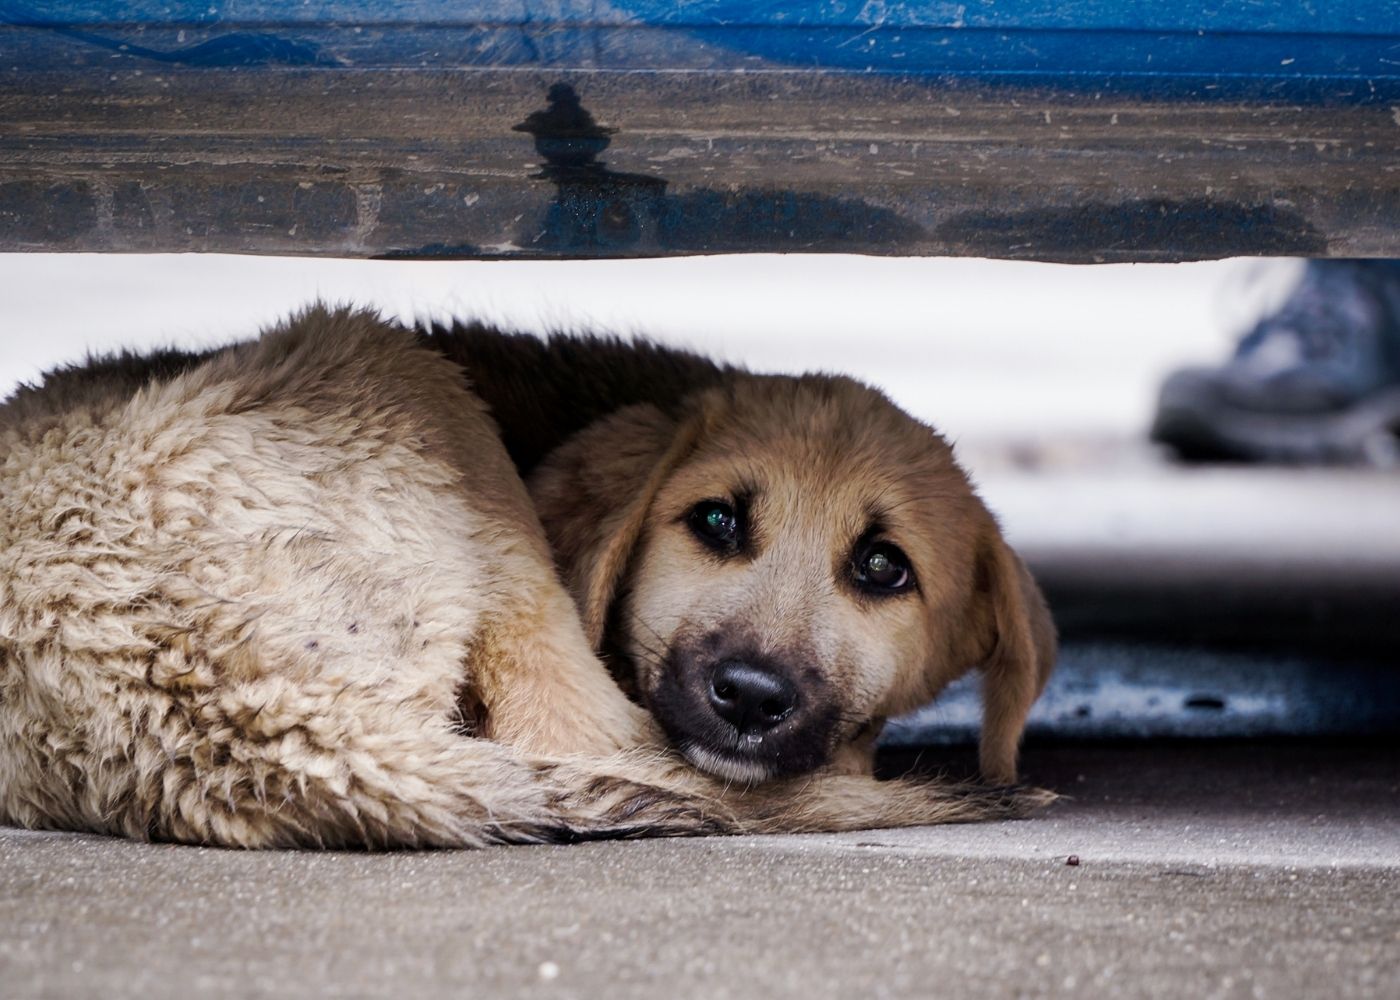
{"points": [[787, 562], [791, 575]]}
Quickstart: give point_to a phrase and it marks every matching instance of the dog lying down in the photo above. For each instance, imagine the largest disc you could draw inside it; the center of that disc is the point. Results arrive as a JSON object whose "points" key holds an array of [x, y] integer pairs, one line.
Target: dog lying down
{"points": [[352, 585]]}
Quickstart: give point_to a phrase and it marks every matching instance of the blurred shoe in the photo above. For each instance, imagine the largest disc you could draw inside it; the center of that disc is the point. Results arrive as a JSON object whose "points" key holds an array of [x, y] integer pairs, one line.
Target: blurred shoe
{"points": [[1318, 381]]}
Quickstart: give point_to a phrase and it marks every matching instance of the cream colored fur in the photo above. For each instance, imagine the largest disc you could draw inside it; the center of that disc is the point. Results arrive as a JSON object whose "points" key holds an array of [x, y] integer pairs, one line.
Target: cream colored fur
{"points": [[297, 595]]}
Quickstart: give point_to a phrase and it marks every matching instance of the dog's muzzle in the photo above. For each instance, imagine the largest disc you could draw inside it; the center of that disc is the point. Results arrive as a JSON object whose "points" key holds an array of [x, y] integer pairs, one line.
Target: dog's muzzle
{"points": [[743, 718]]}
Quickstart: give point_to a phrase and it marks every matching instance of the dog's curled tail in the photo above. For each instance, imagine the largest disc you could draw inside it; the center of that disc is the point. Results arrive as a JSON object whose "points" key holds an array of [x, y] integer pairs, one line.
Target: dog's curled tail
{"points": [[445, 790], [653, 794], [486, 793], [838, 803], [645, 794]]}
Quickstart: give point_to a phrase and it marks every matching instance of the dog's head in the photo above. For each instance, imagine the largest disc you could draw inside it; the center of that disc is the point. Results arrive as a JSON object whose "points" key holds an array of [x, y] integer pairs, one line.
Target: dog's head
{"points": [[782, 563]]}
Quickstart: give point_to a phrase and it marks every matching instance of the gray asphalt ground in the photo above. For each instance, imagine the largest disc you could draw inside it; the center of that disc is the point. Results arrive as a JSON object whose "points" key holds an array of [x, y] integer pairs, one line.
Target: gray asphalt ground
{"points": [[1204, 870]]}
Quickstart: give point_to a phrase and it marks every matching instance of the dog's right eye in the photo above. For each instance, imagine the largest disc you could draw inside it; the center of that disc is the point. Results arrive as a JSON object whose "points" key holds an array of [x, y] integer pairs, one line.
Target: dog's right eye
{"points": [[716, 524]]}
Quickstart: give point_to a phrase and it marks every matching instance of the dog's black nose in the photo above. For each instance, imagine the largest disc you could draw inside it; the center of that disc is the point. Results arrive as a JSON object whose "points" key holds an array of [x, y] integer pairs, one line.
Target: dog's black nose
{"points": [[751, 699]]}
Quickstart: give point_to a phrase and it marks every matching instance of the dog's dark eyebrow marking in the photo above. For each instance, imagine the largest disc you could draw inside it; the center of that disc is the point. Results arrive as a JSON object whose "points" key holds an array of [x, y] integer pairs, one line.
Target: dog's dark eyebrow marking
{"points": [[876, 524], [875, 527], [743, 509]]}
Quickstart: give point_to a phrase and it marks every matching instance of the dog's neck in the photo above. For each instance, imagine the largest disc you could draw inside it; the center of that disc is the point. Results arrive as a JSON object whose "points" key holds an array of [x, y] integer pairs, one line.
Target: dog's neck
{"points": [[542, 391]]}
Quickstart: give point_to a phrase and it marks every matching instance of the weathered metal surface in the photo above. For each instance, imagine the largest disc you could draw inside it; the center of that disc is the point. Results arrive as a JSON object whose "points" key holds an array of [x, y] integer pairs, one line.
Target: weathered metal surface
{"points": [[1108, 690], [1188, 643], [1138, 130]]}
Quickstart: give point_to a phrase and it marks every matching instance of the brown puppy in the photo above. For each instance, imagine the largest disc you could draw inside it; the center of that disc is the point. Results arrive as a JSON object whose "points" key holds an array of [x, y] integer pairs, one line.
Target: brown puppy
{"points": [[773, 565], [295, 593], [794, 561]]}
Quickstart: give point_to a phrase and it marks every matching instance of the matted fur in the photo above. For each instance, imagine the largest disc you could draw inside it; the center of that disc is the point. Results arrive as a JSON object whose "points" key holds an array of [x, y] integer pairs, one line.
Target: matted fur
{"points": [[295, 593]]}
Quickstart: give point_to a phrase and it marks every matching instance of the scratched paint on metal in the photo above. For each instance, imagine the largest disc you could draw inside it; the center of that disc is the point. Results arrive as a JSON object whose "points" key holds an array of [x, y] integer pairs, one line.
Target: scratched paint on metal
{"points": [[1331, 50], [1134, 690], [1074, 130]]}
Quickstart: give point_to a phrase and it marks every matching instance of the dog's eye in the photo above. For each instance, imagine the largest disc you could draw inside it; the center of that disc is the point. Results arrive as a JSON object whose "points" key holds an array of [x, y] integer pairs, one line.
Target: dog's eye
{"points": [[883, 569], [715, 523]]}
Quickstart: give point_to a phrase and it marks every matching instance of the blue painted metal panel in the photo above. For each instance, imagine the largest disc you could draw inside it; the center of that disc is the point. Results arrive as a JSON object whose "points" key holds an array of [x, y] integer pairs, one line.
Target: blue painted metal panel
{"points": [[1326, 17], [1335, 50]]}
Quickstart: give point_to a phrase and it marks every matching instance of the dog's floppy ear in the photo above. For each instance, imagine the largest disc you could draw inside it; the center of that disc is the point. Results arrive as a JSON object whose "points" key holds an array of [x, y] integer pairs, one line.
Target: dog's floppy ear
{"points": [[593, 493], [1023, 647]]}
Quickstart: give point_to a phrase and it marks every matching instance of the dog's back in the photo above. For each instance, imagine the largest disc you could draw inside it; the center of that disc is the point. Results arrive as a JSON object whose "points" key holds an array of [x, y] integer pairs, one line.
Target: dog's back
{"points": [[237, 595]]}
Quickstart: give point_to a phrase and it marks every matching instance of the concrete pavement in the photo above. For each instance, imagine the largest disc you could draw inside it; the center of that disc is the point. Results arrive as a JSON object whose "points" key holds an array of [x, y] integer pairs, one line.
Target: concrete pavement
{"points": [[1205, 870]]}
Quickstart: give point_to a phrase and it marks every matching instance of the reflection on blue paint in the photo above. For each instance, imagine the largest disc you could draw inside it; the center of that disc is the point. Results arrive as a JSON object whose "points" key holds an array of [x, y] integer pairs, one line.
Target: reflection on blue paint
{"points": [[1324, 49], [232, 48], [597, 208]]}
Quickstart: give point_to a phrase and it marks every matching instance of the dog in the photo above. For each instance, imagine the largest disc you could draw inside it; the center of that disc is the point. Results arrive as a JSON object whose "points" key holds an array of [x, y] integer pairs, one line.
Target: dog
{"points": [[352, 585]]}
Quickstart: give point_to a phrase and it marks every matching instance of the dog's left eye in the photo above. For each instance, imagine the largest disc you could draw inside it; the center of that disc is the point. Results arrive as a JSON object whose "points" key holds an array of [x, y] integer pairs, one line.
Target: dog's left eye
{"points": [[883, 569], [716, 524]]}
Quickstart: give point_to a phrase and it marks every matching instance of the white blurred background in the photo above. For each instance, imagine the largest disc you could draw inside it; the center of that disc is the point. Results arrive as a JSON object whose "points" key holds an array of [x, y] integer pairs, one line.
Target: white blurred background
{"points": [[1044, 375], [985, 350]]}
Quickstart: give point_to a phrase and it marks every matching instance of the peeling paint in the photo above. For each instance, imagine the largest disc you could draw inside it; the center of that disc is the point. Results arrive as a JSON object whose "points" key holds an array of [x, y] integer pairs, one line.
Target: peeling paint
{"points": [[368, 198]]}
